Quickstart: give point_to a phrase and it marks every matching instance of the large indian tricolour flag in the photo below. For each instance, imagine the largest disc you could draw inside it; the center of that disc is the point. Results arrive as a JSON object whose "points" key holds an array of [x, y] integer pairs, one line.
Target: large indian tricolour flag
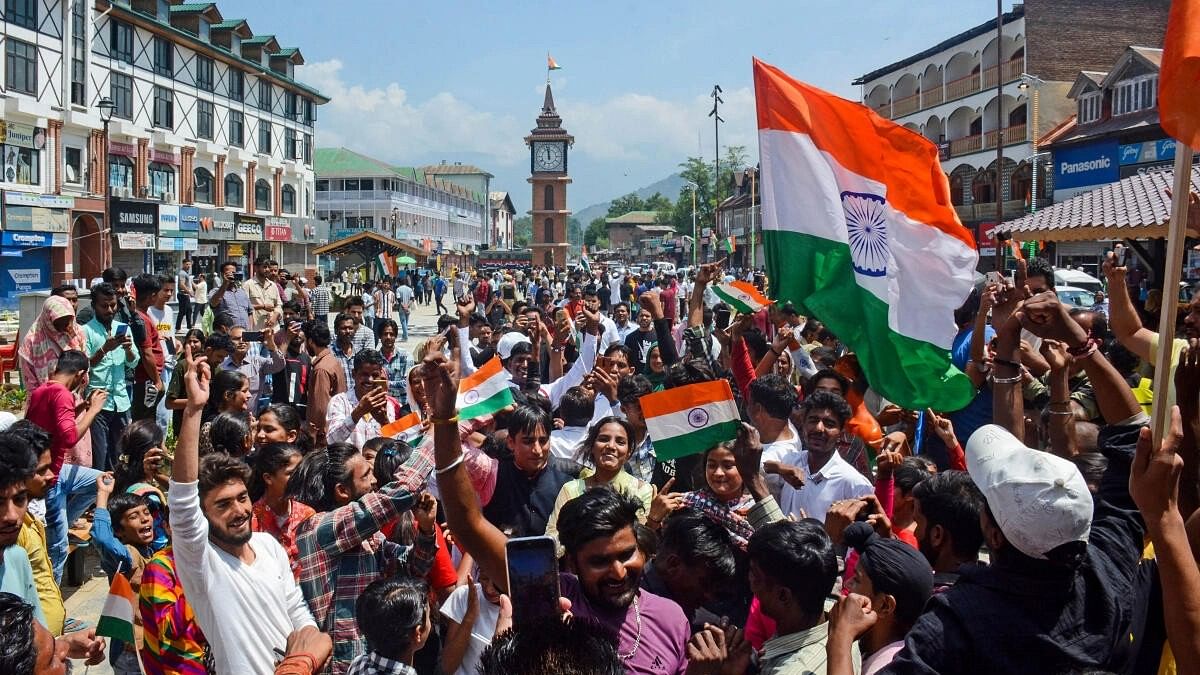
{"points": [[859, 230]]}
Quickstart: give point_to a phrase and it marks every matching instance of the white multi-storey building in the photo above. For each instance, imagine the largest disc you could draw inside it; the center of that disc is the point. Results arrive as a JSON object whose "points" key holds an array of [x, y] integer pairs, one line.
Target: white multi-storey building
{"points": [[209, 144]]}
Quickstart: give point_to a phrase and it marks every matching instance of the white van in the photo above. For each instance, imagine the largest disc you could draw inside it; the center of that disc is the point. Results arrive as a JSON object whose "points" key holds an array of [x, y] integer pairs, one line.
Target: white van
{"points": [[1077, 279], [666, 268]]}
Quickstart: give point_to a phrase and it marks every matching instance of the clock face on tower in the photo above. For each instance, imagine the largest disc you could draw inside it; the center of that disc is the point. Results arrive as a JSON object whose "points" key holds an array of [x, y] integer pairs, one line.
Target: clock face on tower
{"points": [[549, 156]]}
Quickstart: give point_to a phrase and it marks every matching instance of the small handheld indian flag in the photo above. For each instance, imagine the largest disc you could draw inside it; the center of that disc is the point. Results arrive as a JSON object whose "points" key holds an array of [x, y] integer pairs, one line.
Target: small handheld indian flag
{"points": [[584, 263], [742, 296], [485, 391], [551, 64], [116, 619], [691, 419], [730, 245], [407, 429]]}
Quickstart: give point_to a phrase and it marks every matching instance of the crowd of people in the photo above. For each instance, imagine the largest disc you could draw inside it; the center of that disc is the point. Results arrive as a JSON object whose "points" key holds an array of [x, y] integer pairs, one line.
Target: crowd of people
{"points": [[291, 490]]}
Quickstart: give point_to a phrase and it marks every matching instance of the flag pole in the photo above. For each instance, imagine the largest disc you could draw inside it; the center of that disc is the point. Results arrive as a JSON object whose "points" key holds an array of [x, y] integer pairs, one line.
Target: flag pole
{"points": [[1176, 235]]}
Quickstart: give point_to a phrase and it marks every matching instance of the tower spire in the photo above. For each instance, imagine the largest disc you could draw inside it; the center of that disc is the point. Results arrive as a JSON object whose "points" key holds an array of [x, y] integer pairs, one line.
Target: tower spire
{"points": [[548, 104]]}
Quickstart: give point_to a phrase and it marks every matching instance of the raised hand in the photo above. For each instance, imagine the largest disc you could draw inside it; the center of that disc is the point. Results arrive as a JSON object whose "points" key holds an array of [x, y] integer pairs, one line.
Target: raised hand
{"points": [[706, 651], [1046, 317], [425, 513], [1187, 375], [664, 503], [1056, 355], [196, 379], [441, 387], [1154, 474], [852, 616], [943, 427]]}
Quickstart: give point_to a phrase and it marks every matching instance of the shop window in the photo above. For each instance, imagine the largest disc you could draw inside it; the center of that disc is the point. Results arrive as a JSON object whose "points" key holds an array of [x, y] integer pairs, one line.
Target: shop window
{"points": [[233, 190], [73, 165], [22, 165], [262, 195], [204, 185], [120, 172], [162, 180], [288, 199]]}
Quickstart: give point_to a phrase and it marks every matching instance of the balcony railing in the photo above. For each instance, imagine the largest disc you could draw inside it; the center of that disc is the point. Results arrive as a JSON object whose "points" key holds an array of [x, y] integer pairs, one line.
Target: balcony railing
{"points": [[987, 210], [964, 86], [968, 144], [906, 105]]}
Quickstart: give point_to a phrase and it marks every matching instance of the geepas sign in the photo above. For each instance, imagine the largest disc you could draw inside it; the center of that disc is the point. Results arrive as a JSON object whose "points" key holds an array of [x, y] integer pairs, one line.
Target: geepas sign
{"points": [[1086, 165]]}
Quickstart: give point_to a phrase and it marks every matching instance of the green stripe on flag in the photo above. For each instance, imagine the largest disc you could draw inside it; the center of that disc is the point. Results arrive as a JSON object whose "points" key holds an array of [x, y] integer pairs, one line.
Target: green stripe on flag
{"points": [[111, 626], [695, 442], [817, 275], [498, 401], [731, 300]]}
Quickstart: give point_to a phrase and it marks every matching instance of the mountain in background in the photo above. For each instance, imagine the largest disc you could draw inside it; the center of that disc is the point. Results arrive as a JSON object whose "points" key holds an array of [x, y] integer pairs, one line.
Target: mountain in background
{"points": [[669, 187]]}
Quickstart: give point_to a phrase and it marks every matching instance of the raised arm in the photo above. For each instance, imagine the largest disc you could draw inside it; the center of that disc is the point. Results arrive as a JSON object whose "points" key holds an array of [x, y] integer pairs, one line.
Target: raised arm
{"points": [[464, 515], [186, 467], [1122, 317], [704, 277], [1062, 417], [1187, 392]]}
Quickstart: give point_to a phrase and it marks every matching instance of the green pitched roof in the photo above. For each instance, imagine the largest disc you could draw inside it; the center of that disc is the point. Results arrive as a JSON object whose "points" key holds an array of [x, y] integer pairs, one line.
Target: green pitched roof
{"points": [[191, 7], [228, 24], [345, 163], [287, 51], [258, 39], [635, 218]]}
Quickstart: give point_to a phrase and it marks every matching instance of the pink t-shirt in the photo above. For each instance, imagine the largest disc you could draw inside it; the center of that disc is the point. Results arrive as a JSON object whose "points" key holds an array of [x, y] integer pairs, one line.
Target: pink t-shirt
{"points": [[664, 629]]}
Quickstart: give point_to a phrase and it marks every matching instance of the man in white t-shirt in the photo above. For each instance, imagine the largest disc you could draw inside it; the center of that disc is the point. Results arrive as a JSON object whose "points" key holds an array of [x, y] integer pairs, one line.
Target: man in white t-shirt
{"points": [[239, 582], [827, 477], [769, 405]]}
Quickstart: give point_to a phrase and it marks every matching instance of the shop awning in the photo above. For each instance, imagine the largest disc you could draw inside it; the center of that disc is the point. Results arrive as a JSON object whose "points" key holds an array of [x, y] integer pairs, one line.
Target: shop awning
{"points": [[1136, 207], [369, 245]]}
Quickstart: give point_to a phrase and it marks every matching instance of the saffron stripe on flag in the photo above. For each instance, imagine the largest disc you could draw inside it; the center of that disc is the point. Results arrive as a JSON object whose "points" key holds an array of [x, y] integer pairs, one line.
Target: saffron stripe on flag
{"points": [[742, 296], [685, 398], [486, 371]]}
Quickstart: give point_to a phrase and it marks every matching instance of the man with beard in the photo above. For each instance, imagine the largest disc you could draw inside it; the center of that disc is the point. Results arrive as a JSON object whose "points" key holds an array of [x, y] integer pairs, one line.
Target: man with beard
{"points": [[239, 582], [597, 530], [828, 477], [621, 320], [609, 335], [946, 509], [641, 340], [33, 531], [342, 550]]}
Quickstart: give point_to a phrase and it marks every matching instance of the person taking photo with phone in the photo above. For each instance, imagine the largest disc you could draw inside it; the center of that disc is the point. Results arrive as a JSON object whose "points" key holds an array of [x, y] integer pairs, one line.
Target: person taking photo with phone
{"points": [[228, 296], [356, 415], [109, 345]]}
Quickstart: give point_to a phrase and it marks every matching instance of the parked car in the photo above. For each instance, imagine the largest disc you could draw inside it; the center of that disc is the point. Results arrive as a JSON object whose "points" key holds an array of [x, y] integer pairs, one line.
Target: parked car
{"points": [[1076, 279], [1075, 297]]}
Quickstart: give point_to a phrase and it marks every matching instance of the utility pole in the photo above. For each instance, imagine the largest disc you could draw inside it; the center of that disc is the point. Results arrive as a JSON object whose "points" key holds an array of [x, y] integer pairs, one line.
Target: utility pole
{"points": [[716, 115], [999, 113]]}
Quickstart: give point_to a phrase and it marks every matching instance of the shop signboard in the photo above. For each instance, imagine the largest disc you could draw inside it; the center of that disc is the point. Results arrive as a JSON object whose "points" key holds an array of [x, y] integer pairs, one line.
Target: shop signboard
{"points": [[33, 239], [29, 272], [23, 135], [1085, 165], [177, 244], [135, 241], [205, 251], [277, 229], [189, 219], [36, 219], [986, 239], [235, 250], [215, 225], [13, 198], [134, 216], [168, 219], [249, 228]]}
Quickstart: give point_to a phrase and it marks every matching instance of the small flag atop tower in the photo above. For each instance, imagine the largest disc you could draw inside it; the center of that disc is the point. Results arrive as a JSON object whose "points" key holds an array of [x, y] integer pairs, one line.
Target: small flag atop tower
{"points": [[551, 64]]}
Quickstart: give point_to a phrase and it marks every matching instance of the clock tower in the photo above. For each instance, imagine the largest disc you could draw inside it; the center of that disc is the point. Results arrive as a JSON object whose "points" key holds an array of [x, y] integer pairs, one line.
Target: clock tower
{"points": [[548, 145]]}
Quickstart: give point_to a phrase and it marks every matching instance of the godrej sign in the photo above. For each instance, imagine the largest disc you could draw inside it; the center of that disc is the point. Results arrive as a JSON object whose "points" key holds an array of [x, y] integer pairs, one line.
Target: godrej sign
{"points": [[1086, 165]]}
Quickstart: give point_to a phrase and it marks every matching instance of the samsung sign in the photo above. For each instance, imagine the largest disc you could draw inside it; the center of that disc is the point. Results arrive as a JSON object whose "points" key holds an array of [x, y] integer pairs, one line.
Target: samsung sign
{"points": [[1086, 165]]}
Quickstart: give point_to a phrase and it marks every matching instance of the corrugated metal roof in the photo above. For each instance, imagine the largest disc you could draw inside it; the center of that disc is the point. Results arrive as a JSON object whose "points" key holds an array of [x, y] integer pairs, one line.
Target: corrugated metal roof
{"points": [[1133, 207], [191, 7], [228, 24], [258, 39], [634, 218], [454, 169], [343, 163]]}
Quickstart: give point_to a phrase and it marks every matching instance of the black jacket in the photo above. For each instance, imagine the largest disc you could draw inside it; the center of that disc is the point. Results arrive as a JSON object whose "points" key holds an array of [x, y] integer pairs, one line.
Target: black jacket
{"points": [[1037, 618]]}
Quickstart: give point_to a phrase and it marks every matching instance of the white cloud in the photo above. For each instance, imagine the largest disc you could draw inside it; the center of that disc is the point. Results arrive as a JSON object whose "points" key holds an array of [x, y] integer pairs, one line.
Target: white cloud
{"points": [[643, 133], [384, 122]]}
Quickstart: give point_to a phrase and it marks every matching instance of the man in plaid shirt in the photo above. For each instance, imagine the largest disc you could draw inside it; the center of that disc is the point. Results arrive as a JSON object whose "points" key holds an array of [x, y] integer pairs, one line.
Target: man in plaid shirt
{"points": [[341, 547], [320, 298]]}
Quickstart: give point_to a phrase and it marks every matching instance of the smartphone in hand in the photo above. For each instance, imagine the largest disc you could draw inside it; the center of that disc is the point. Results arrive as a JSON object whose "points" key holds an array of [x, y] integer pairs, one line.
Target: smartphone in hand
{"points": [[122, 330], [532, 579]]}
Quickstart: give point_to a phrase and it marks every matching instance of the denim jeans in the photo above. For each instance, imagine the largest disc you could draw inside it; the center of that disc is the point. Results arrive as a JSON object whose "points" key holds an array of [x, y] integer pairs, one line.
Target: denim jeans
{"points": [[106, 435], [68, 498], [403, 324]]}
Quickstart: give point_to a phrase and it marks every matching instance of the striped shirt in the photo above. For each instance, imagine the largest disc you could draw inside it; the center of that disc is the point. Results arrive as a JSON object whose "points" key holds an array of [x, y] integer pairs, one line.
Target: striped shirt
{"points": [[319, 297]]}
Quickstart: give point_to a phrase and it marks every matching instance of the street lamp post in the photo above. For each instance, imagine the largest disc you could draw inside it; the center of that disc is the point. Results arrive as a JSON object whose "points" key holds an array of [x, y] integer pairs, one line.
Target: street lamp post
{"points": [[107, 109]]}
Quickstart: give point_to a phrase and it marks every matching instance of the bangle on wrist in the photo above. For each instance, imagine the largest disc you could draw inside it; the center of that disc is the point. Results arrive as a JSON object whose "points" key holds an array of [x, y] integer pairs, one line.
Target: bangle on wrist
{"points": [[1006, 380], [457, 461], [447, 420], [1005, 362]]}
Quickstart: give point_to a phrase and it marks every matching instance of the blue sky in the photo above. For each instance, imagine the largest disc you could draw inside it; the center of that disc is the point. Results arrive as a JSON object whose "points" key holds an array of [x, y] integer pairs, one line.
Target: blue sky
{"points": [[415, 83]]}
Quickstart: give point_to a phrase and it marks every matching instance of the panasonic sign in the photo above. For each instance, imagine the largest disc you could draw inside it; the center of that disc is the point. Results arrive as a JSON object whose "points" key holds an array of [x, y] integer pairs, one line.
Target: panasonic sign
{"points": [[1092, 164]]}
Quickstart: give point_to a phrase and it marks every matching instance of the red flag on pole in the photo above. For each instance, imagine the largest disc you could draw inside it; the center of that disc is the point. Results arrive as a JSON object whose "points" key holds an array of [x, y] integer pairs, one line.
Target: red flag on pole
{"points": [[1179, 105]]}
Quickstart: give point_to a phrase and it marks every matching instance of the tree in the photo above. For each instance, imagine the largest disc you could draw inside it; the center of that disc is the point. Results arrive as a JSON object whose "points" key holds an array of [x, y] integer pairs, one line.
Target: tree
{"points": [[622, 205], [574, 232], [596, 233], [522, 232]]}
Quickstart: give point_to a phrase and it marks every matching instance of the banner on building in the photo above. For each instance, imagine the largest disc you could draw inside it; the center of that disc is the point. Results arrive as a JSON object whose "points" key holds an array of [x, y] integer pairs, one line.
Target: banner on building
{"points": [[249, 228], [134, 241], [22, 135], [13, 198], [134, 216]]}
